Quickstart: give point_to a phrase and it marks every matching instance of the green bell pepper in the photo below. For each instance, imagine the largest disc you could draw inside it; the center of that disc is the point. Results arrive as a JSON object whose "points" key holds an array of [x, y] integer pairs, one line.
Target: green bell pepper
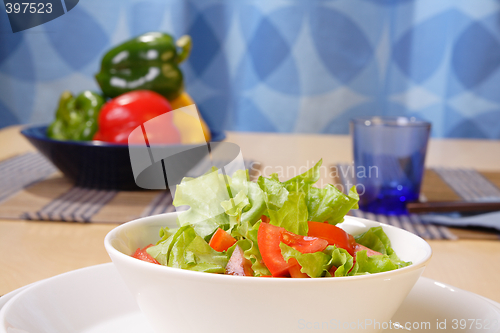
{"points": [[147, 62], [76, 117]]}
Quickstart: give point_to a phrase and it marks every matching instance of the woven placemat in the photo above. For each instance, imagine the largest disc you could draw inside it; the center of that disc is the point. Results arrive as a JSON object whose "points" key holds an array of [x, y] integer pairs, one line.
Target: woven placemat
{"points": [[438, 184], [31, 188]]}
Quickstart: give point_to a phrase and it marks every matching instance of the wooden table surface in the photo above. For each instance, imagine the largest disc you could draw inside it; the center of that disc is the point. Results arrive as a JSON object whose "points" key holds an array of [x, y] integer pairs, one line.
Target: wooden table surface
{"points": [[31, 251]]}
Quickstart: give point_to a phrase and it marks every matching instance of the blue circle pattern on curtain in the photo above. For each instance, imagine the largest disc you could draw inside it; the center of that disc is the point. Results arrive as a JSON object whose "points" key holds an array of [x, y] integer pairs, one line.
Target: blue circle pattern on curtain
{"points": [[280, 66]]}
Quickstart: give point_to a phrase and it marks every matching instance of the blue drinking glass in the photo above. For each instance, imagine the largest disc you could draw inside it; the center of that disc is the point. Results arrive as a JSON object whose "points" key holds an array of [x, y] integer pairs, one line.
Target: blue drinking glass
{"points": [[389, 155]]}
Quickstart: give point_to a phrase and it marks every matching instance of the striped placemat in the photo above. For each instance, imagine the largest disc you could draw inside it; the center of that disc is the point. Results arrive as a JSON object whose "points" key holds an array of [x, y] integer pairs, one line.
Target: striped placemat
{"points": [[469, 184], [439, 184], [78, 205], [31, 188], [21, 171], [412, 223]]}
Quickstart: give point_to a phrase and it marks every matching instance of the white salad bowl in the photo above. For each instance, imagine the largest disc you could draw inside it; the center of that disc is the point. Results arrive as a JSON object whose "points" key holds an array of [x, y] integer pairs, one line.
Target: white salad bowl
{"points": [[177, 301]]}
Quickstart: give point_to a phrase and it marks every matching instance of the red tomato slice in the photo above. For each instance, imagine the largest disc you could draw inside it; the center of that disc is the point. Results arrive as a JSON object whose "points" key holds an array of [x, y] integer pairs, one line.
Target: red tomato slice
{"points": [[238, 264], [304, 244], [269, 238], [141, 254], [334, 235], [295, 269], [221, 240], [264, 219], [369, 252], [352, 241], [333, 269]]}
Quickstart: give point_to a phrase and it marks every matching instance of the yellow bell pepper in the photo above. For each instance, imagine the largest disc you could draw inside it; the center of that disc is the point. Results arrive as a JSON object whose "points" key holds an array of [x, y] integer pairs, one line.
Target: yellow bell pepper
{"points": [[189, 126]]}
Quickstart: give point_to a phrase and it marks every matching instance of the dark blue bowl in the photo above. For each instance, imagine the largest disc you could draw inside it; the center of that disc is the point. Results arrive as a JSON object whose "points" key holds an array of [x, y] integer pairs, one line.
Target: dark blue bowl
{"points": [[91, 164]]}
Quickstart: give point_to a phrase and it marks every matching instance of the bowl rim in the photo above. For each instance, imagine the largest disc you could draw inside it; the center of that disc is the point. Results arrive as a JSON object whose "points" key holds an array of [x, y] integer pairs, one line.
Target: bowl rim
{"points": [[216, 277], [25, 131]]}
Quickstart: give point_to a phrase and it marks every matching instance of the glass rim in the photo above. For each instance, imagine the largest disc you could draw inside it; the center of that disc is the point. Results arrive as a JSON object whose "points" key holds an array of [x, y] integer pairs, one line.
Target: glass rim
{"points": [[380, 121]]}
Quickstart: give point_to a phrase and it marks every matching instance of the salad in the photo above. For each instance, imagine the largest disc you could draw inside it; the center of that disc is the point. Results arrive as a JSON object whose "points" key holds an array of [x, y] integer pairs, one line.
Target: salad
{"points": [[268, 228]]}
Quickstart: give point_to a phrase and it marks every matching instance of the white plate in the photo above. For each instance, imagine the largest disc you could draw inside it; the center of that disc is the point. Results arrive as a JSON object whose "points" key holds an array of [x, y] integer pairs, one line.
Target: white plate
{"points": [[95, 300]]}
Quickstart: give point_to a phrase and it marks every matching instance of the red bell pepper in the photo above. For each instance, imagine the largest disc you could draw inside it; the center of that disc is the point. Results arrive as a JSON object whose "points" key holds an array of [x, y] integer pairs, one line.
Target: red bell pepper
{"points": [[121, 115], [333, 234], [295, 269], [221, 240], [141, 254], [269, 238]]}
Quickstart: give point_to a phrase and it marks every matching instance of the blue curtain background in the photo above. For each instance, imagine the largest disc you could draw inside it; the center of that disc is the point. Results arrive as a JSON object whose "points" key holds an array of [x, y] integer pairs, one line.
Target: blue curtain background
{"points": [[277, 65]]}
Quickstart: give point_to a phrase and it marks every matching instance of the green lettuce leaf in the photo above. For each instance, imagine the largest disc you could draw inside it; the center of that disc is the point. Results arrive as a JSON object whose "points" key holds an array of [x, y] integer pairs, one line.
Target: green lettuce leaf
{"points": [[186, 250], [340, 258], [257, 206], [176, 257], [313, 264], [234, 208], [372, 264], [292, 215], [165, 233], [204, 196], [303, 182], [376, 239], [161, 251], [247, 241], [285, 201], [275, 193], [218, 201], [199, 256], [285, 209], [330, 204]]}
